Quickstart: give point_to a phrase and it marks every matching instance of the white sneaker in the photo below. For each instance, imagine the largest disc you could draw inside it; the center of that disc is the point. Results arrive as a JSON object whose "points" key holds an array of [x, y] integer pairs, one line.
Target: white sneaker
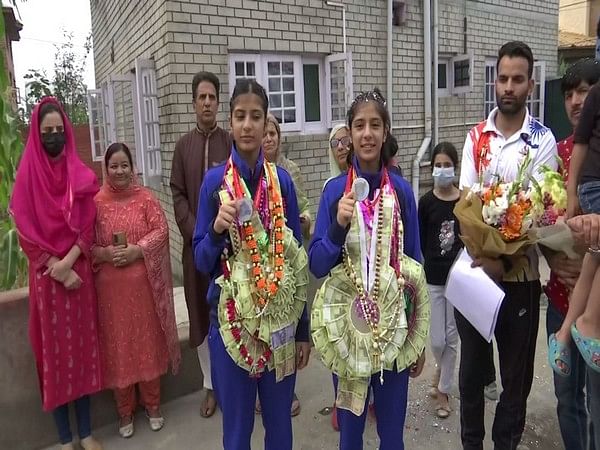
{"points": [[491, 391]]}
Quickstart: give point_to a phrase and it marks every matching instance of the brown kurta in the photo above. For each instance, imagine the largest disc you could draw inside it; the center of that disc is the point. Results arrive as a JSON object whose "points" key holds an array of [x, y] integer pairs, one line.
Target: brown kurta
{"points": [[195, 153]]}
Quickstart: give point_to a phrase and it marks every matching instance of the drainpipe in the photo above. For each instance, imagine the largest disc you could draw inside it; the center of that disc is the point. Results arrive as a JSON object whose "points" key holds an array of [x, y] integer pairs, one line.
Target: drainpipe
{"points": [[390, 49], [427, 96], [436, 58], [343, 7]]}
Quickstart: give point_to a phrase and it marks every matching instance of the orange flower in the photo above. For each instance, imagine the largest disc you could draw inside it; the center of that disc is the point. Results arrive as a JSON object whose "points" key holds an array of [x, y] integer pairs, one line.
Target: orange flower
{"points": [[511, 229], [260, 284], [256, 271], [492, 193]]}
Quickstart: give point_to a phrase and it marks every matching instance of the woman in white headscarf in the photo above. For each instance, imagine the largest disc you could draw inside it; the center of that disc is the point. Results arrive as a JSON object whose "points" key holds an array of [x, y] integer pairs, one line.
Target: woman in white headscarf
{"points": [[339, 149]]}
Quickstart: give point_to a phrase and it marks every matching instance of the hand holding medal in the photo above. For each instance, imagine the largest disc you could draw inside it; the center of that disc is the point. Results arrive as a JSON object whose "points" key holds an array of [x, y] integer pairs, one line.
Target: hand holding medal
{"points": [[228, 211], [346, 209]]}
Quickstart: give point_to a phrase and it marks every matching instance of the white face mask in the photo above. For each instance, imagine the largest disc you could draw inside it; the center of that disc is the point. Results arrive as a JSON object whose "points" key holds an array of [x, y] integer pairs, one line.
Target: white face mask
{"points": [[443, 176]]}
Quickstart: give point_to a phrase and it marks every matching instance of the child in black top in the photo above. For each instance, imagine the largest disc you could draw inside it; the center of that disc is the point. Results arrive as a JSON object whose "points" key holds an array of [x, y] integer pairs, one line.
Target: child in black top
{"points": [[440, 244]]}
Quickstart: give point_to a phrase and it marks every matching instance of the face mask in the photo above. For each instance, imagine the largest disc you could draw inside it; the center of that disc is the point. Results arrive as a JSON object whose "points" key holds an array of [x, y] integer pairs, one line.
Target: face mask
{"points": [[443, 176], [53, 143]]}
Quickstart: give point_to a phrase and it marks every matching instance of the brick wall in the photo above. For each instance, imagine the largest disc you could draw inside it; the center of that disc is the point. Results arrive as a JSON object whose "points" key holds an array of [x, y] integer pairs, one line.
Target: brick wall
{"points": [[185, 36]]}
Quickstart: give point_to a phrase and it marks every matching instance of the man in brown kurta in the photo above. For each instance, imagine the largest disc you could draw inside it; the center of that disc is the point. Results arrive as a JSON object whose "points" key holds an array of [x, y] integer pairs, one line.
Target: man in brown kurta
{"points": [[206, 146]]}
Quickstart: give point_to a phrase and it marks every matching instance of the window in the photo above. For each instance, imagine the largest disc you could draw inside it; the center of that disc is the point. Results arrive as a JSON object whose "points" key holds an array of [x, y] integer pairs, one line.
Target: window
{"points": [[462, 75], [489, 102], [305, 93], [96, 118], [454, 75], [339, 77], [283, 89], [147, 116], [444, 77], [535, 102]]}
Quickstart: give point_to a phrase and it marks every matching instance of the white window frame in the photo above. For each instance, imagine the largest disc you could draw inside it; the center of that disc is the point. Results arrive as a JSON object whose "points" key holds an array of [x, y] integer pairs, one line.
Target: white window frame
{"points": [[447, 91], [489, 103], [320, 126], [261, 72], [349, 86], [456, 90], [148, 123], [538, 66], [298, 89], [97, 122], [245, 58]]}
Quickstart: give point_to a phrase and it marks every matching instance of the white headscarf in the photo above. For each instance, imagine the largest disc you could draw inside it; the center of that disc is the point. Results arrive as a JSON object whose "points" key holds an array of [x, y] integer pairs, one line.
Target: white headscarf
{"points": [[334, 168]]}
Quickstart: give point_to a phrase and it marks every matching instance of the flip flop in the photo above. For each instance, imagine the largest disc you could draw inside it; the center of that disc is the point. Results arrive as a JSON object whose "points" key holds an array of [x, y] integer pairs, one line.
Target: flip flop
{"points": [[588, 347], [334, 419], [442, 408], [205, 410], [295, 406], [559, 352]]}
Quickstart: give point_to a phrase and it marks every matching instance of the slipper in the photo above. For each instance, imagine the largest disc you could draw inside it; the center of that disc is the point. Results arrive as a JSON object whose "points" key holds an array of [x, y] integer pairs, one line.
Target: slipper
{"points": [[559, 356], [442, 412], [207, 411], [295, 406], [442, 407], [156, 423], [588, 347], [126, 431], [334, 419]]}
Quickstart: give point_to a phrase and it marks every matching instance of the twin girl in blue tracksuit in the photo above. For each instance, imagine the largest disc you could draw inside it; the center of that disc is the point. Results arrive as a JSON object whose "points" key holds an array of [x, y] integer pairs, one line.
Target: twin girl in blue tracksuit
{"points": [[253, 260]]}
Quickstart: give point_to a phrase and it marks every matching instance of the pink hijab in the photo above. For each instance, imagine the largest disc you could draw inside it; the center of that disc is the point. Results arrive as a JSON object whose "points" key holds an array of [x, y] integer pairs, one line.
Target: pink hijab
{"points": [[52, 200]]}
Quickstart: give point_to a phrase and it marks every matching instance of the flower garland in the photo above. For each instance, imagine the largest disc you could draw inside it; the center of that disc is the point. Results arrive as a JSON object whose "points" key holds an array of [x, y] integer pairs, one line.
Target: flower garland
{"points": [[266, 280], [367, 304]]}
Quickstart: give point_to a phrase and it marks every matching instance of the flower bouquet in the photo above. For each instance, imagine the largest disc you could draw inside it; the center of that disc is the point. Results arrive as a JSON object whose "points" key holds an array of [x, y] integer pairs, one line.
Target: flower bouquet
{"points": [[495, 218], [550, 203]]}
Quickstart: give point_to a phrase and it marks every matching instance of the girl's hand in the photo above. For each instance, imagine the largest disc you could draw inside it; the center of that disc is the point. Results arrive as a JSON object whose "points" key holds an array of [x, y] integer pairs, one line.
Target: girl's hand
{"points": [[417, 367], [302, 354], [345, 209], [103, 254], [227, 213]]}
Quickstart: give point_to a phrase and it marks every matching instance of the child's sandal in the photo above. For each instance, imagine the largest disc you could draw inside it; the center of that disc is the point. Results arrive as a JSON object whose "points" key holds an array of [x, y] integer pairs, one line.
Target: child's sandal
{"points": [[588, 347], [559, 356]]}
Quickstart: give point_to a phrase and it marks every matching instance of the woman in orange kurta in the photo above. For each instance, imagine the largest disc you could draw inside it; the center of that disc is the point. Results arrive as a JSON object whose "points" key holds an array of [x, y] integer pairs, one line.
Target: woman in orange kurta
{"points": [[137, 329]]}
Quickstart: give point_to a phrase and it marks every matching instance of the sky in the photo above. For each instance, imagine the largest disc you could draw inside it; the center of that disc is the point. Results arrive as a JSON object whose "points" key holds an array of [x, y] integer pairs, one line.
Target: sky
{"points": [[42, 23]]}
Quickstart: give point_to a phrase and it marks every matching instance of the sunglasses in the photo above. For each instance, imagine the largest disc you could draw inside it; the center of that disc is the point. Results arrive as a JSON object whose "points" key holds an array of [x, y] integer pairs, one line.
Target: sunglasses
{"points": [[345, 141]]}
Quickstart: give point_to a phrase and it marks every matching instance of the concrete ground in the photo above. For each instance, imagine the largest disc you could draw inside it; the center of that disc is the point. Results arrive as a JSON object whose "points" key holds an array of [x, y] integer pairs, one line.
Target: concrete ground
{"points": [[186, 430]]}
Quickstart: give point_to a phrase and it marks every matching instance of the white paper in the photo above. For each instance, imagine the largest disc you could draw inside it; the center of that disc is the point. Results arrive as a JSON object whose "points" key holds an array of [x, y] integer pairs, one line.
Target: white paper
{"points": [[474, 294]]}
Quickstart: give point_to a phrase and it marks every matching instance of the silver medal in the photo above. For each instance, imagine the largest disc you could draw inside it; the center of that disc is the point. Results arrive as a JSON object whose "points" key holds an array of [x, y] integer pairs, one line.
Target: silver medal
{"points": [[245, 210], [360, 187]]}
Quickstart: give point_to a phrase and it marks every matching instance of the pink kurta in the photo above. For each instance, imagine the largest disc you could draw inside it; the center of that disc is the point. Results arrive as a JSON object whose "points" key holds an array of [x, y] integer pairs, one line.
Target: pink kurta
{"points": [[52, 203], [62, 331], [135, 302]]}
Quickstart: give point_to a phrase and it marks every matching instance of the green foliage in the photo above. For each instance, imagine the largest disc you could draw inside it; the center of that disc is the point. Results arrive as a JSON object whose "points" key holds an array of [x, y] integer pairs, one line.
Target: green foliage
{"points": [[66, 83], [13, 264]]}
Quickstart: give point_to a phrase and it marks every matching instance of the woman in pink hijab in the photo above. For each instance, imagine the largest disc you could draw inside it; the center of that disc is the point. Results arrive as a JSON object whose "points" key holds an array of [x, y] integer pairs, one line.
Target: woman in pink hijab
{"points": [[53, 207]]}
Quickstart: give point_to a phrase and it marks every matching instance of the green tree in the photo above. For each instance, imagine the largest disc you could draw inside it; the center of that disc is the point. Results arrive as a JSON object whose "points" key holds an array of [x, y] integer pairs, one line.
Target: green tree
{"points": [[66, 83]]}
